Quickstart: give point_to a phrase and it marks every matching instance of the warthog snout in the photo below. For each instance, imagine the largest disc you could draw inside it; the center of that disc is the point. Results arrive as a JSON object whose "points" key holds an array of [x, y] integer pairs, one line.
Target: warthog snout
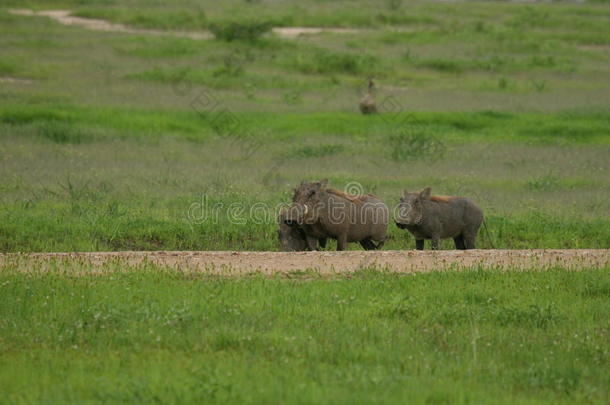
{"points": [[401, 225]]}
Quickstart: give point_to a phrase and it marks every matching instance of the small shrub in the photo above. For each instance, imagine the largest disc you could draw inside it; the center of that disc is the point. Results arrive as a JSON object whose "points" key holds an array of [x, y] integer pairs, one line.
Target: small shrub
{"points": [[293, 97], [240, 31], [408, 56], [544, 183], [63, 133], [157, 47], [316, 151], [503, 83], [27, 115], [442, 65], [331, 62], [539, 85], [393, 5], [232, 66], [8, 68], [416, 143], [542, 61], [480, 26]]}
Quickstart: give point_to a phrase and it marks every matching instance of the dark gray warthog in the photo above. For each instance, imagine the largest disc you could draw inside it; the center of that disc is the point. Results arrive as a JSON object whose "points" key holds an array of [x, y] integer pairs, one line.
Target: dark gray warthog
{"points": [[292, 237], [328, 213], [436, 217]]}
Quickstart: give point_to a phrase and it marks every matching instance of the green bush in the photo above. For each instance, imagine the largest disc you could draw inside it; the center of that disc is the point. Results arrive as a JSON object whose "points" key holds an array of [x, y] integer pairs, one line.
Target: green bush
{"points": [[316, 151], [60, 132], [324, 61], [240, 31], [416, 142]]}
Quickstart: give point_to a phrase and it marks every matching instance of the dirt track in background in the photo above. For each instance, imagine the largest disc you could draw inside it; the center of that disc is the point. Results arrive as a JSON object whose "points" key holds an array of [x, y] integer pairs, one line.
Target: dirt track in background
{"points": [[65, 17], [240, 263]]}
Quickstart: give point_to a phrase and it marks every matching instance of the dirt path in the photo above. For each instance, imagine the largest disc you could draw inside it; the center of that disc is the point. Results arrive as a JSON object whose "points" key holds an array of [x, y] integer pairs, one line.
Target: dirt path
{"points": [[66, 18], [8, 79], [239, 263]]}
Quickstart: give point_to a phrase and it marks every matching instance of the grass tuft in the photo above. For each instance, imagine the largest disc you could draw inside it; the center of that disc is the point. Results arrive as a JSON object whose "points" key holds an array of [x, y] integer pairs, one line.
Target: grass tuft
{"points": [[240, 31]]}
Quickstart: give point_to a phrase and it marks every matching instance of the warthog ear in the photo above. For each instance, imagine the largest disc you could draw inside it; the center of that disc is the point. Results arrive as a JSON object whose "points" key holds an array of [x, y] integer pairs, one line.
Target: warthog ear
{"points": [[425, 194], [322, 184], [405, 193]]}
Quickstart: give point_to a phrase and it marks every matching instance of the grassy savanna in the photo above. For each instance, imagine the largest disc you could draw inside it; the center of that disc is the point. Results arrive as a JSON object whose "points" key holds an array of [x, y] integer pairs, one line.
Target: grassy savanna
{"points": [[108, 142], [146, 334], [105, 143]]}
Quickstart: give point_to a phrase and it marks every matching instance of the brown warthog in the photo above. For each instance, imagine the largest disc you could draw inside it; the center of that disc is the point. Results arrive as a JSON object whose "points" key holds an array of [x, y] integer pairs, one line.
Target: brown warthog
{"points": [[328, 213], [292, 237], [436, 217]]}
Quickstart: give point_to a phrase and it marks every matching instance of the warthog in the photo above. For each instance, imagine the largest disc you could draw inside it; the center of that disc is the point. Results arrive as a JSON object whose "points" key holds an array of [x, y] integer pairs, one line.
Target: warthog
{"points": [[328, 213], [439, 217], [292, 237]]}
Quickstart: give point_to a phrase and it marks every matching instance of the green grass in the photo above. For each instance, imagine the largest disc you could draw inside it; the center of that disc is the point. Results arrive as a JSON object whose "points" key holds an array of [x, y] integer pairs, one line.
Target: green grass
{"points": [[315, 151], [149, 334], [576, 127], [102, 149], [324, 62]]}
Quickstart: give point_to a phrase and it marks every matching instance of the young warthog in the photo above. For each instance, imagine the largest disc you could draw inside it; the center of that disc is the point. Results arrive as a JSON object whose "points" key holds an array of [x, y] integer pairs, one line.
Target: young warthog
{"points": [[328, 213], [435, 217], [292, 237]]}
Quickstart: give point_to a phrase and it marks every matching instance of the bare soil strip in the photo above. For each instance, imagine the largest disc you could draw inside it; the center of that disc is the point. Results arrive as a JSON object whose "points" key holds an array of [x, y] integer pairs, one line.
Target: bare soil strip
{"points": [[6, 79], [65, 17], [325, 263]]}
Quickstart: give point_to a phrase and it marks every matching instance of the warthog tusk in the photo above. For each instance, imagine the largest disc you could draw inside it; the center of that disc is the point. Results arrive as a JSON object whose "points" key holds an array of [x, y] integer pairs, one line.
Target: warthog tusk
{"points": [[306, 209]]}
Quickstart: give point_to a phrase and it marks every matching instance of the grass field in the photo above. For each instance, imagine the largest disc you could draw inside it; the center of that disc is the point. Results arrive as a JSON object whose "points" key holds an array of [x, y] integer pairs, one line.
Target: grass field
{"points": [[113, 141], [146, 334], [107, 140]]}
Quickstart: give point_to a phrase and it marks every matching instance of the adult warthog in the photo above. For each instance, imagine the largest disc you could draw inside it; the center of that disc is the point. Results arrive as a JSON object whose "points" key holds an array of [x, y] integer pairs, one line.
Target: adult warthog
{"points": [[439, 217], [323, 212], [292, 237]]}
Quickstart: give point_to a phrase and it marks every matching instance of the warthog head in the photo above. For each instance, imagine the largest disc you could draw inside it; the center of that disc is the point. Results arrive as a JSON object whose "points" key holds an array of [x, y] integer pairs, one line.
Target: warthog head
{"points": [[410, 209], [291, 236], [291, 215], [306, 201]]}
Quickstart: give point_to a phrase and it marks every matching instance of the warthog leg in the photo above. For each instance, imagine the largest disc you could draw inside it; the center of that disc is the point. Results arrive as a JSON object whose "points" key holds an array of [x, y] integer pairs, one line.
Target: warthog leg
{"points": [[312, 243], [342, 242], [368, 244], [419, 244], [469, 241], [459, 242]]}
